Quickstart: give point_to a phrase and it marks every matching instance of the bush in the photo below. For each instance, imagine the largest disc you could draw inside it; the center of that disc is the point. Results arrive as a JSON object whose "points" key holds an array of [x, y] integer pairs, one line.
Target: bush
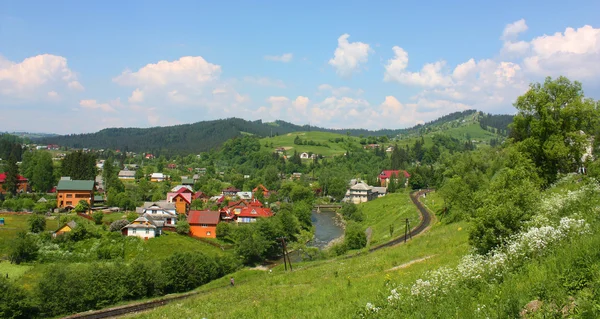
{"points": [[183, 227], [117, 225], [36, 223], [14, 301], [82, 206], [24, 249], [224, 231], [351, 212], [98, 216], [355, 237], [186, 271]]}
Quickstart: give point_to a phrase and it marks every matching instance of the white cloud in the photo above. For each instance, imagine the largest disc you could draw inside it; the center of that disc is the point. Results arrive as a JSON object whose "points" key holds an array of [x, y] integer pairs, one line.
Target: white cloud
{"points": [[429, 76], [574, 53], [75, 85], [264, 81], [512, 30], [349, 56], [137, 96], [286, 57], [52, 94], [339, 91], [94, 105], [188, 71], [29, 78]]}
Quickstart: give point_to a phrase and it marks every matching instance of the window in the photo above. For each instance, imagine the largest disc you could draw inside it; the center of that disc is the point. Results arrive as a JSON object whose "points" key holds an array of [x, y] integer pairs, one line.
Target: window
{"points": [[69, 195], [147, 231], [69, 203], [207, 233], [204, 225], [133, 231], [153, 211]]}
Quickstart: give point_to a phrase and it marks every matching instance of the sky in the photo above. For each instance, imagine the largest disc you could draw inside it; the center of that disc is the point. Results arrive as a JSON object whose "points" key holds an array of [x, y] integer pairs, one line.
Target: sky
{"points": [[81, 66]]}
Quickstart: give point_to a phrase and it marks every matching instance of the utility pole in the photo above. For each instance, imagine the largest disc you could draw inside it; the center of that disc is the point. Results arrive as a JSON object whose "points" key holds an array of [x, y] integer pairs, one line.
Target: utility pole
{"points": [[285, 254], [406, 231]]}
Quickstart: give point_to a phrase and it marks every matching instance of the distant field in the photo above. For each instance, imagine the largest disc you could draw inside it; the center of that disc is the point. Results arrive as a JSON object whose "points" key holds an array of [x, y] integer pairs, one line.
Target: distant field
{"points": [[473, 130], [15, 223], [393, 209], [13, 271], [164, 246], [287, 141]]}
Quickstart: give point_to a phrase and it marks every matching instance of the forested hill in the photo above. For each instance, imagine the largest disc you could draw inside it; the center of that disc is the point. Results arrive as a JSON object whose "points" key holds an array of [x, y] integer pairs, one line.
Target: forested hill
{"points": [[203, 136]]}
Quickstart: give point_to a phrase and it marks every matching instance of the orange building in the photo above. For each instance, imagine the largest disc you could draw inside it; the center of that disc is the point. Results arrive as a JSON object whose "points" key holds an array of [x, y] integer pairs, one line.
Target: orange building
{"points": [[70, 192], [203, 223], [182, 199], [22, 184]]}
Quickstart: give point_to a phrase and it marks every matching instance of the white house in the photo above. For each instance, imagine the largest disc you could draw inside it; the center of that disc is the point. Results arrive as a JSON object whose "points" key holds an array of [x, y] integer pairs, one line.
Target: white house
{"points": [[142, 227], [304, 155], [161, 213], [126, 175], [359, 193], [158, 177]]}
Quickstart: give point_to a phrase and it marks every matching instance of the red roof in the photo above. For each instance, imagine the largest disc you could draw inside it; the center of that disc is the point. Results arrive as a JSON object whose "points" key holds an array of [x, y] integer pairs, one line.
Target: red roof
{"points": [[388, 173], [208, 217], [184, 190], [255, 212], [199, 194], [261, 186], [19, 178], [231, 189], [187, 197]]}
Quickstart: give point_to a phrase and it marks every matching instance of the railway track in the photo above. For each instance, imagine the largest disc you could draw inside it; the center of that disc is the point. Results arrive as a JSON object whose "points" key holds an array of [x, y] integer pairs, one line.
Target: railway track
{"points": [[141, 306]]}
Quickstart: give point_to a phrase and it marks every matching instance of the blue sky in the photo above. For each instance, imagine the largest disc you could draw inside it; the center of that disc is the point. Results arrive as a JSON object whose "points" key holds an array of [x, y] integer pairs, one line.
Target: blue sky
{"points": [[78, 66]]}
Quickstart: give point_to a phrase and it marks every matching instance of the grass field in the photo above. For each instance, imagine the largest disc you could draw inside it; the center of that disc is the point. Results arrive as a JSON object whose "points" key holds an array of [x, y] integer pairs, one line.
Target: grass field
{"points": [[321, 289], [164, 246], [473, 130], [13, 271], [393, 209], [287, 141], [13, 224]]}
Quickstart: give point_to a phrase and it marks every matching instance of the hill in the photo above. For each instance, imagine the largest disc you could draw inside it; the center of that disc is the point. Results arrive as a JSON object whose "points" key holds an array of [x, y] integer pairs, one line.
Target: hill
{"points": [[203, 136], [322, 143]]}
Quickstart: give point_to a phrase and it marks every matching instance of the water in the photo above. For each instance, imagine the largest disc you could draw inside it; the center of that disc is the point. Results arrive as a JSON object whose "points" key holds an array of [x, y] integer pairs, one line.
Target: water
{"points": [[326, 228]]}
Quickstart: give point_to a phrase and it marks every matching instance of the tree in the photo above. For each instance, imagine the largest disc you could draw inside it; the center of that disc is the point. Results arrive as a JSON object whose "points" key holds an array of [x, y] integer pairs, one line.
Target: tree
{"points": [[82, 206], [553, 123], [79, 166], [24, 249], [117, 225], [224, 231], [98, 216], [36, 223], [250, 244], [355, 237], [183, 227], [15, 302], [12, 176], [42, 175]]}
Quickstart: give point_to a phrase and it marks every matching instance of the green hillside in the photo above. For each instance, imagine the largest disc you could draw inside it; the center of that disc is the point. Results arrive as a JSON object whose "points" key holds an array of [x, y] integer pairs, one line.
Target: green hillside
{"points": [[331, 143]]}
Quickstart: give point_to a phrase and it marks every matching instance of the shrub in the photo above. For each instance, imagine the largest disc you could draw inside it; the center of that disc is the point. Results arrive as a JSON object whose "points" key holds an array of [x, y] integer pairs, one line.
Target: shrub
{"points": [[355, 237], [98, 216], [24, 249], [117, 225], [224, 231], [36, 223], [186, 271], [183, 227], [14, 301], [82, 206]]}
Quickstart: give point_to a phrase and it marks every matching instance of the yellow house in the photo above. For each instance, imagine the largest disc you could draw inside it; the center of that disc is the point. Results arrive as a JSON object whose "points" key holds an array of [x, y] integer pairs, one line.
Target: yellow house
{"points": [[65, 228]]}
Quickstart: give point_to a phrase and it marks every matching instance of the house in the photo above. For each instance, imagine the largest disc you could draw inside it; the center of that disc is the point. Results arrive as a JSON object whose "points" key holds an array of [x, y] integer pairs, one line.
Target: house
{"points": [[149, 156], [200, 170], [379, 191], [201, 196], [158, 177], [296, 175], [126, 175], [100, 164], [304, 155], [252, 212], [384, 176], [203, 223], [69, 192], [244, 195], [22, 183], [359, 193], [389, 149], [171, 166], [263, 189], [65, 228], [182, 198], [131, 167], [161, 213], [142, 227], [230, 191], [187, 181]]}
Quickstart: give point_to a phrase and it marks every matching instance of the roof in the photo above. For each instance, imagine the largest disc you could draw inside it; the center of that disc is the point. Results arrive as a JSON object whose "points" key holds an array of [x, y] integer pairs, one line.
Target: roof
{"points": [[157, 175], [186, 196], [388, 173], [199, 194], [19, 178], [161, 204], [255, 212], [361, 186], [231, 189], [261, 186], [72, 224], [244, 195], [98, 198], [380, 190], [141, 222], [203, 217], [182, 188], [188, 181], [126, 173], [75, 185]]}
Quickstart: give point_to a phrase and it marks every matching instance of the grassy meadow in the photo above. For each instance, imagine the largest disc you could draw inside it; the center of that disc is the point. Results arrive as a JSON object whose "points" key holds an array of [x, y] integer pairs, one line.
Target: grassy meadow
{"points": [[287, 141], [393, 209], [13, 224]]}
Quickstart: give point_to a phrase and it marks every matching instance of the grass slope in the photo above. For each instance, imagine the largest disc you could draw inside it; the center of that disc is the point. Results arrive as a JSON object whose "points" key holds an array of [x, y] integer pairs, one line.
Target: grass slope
{"points": [[14, 224], [321, 289], [287, 141], [392, 209]]}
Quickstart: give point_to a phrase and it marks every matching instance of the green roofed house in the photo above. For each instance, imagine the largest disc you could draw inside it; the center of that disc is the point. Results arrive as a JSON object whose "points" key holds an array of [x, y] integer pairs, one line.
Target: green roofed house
{"points": [[69, 192]]}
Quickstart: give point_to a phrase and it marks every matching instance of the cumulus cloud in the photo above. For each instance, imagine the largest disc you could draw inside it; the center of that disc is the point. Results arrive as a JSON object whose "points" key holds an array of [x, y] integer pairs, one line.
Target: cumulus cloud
{"points": [[94, 105], [188, 71], [28, 78], [52, 94], [339, 91], [430, 75], [286, 57], [349, 56], [512, 30], [137, 96]]}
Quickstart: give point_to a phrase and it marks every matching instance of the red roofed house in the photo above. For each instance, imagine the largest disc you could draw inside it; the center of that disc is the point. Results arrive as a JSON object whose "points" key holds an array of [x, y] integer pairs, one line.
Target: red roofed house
{"points": [[254, 211], [172, 166], [22, 183], [203, 223], [384, 177], [230, 191], [182, 199], [262, 188]]}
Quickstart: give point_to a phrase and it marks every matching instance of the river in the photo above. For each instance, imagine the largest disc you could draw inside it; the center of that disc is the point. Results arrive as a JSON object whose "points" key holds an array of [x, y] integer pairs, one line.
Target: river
{"points": [[327, 228]]}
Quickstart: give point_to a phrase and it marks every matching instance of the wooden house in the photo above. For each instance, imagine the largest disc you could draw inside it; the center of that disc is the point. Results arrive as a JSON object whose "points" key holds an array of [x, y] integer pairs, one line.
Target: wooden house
{"points": [[203, 223], [70, 192]]}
